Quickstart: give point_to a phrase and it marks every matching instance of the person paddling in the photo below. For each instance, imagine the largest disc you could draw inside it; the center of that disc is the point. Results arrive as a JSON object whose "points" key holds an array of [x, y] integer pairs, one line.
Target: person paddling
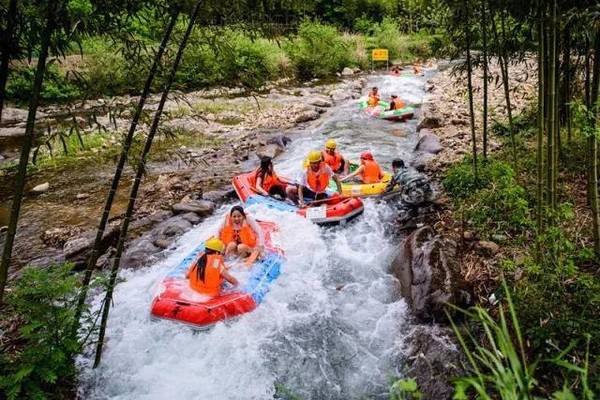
{"points": [[315, 180], [207, 274]]}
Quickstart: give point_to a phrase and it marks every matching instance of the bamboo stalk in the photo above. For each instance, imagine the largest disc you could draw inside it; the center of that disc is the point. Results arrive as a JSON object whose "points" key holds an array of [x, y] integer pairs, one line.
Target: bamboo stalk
{"points": [[540, 137]]}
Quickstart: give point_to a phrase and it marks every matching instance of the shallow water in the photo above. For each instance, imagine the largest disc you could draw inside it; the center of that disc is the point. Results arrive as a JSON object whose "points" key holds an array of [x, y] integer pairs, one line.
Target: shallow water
{"points": [[332, 324]]}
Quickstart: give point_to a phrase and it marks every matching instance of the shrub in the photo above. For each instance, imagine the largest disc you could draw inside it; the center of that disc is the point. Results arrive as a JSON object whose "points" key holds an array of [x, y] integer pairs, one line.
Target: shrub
{"points": [[56, 88], [43, 302], [318, 50]]}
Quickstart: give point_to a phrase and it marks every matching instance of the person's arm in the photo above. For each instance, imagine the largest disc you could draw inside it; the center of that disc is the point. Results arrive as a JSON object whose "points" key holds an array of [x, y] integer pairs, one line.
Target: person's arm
{"points": [[301, 195], [228, 277], [258, 230], [259, 187], [338, 183], [353, 174]]}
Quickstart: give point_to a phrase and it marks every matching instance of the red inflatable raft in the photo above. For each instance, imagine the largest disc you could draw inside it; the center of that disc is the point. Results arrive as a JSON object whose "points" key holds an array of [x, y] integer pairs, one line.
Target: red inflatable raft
{"points": [[335, 210]]}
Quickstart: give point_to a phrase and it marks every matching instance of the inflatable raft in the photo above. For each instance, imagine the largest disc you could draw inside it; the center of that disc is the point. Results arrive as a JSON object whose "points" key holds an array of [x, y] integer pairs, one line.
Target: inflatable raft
{"points": [[362, 189], [178, 302], [335, 210], [379, 111]]}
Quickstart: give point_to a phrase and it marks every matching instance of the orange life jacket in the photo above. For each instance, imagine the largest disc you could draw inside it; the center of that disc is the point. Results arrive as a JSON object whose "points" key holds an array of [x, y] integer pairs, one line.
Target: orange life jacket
{"points": [[317, 181], [268, 180], [334, 161], [398, 104], [373, 99], [371, 172], [211, 285], [244, 235]]}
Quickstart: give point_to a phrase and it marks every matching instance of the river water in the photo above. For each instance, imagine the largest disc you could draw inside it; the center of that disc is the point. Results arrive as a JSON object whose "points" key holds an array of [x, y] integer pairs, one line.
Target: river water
{"points": [[331, 326]]}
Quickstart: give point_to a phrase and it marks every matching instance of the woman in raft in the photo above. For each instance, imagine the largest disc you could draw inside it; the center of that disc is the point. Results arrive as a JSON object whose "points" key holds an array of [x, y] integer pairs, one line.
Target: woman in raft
{"points": [[267, 181], [241, 233], [207, 273]]}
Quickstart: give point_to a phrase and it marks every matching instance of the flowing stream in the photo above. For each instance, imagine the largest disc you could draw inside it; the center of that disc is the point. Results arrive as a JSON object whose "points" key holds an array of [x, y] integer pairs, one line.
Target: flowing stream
{"points": [[331, 326]]}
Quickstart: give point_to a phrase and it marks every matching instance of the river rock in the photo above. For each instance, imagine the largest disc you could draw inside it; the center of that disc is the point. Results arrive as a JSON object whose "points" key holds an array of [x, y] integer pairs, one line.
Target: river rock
{"points": [[320, 101], [201, 207], [340, 95], [347, 71], [280, 140], [40, 188], [12, 116], [77, 249], [307, 115], [434, 360], [429, 143], [429, 120], [269, 150], [192, 217], [82, 196], [486, 248], [429, 275], [219, 196]]}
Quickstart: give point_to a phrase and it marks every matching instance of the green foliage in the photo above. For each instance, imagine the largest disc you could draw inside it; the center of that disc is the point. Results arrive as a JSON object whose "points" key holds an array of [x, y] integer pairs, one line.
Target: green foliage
{"points": [[57, 87], [43, 302], [499, 363], [318, 50], [405, 389], [494, 201]]}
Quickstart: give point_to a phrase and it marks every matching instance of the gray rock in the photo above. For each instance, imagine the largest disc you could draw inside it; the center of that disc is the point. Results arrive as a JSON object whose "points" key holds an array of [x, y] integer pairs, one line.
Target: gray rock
{"points": [[280, 140], [320, 110], [429, 275], [82, 196], [340, 95], [162, 243], [192, 217], [306, 116], [486, 248], [219, 196], [320, 102], [38, 189], [347, 71], [429, 143], [77, 249], [201, 207], [269, 150], [429, 120]]}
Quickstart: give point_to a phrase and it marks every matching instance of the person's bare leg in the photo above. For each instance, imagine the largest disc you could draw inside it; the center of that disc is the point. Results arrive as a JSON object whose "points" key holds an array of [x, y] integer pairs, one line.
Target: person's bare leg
{"points": [[243, 250], [231, 248]]}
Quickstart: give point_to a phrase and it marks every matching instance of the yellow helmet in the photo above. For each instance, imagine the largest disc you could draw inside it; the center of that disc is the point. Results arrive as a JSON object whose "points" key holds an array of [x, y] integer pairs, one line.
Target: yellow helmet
{"points": [[215, 244], [331, 144], [314, 156]]}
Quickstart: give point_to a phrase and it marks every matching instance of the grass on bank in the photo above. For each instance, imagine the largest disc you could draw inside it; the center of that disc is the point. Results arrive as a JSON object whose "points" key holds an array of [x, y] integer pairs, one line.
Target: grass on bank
{"points": [[556, 301]]}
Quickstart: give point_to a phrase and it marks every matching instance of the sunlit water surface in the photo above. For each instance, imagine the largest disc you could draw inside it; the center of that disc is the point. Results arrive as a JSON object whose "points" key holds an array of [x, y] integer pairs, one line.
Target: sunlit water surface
{"points": [[332, 324]]}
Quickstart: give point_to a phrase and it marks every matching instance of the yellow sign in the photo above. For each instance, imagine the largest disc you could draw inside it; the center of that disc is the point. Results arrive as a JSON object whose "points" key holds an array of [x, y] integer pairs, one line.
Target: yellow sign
{"points": [[379, 55]]}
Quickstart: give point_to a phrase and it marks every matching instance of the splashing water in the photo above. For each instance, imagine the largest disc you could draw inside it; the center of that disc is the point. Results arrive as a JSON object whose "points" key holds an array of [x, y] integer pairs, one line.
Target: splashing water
{"points": [[331, 325]]}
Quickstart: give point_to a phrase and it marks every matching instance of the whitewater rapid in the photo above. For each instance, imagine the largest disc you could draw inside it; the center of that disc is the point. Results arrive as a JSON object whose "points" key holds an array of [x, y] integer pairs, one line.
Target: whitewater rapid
{"points": [[331, 326]]}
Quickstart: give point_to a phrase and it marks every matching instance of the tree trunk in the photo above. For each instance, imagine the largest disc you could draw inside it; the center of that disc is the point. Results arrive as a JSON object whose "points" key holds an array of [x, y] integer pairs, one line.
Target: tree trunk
{"points": [[136, 184], [7, 44], [540, 138], [470, 90], [551, 173], [27, 142], [91, 262], [593, 147], [485, 77]]}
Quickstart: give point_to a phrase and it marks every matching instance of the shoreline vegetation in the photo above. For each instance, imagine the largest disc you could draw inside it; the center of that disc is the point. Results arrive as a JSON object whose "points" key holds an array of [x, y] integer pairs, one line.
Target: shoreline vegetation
{"points": [[526, 183]]}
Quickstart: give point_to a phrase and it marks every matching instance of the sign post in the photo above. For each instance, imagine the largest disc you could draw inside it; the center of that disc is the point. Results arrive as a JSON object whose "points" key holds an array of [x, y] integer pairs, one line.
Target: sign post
{"points": [[379, 55]]}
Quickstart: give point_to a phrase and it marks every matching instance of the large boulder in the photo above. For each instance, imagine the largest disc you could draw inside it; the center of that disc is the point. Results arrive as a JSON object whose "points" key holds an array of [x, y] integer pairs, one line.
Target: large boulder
{"points": [[307, 115], [428, 143], [269, 150], [429, 120], [347, 71], [340, 95], [429, 275], [320, 101], [201, 207]]}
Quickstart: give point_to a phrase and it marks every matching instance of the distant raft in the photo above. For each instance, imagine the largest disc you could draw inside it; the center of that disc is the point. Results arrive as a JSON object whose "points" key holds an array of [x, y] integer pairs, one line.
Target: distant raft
{"points": [[335, 210], [379, 111], [178, 302]]}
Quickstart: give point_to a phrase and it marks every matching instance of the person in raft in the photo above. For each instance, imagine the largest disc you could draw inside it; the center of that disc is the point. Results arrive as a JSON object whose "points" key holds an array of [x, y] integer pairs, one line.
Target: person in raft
{"points": [[267, 182], [314, 181], [241, 233], [396, 103], [207, 273], [333, 158], [369, 170], [373, 97]]}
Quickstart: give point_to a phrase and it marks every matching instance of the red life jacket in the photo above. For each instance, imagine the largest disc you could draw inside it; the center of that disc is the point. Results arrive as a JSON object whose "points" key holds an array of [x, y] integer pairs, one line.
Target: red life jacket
{"points": [[334, 161], [211, 285], [245, 235], [371, 172], [317, 181]]}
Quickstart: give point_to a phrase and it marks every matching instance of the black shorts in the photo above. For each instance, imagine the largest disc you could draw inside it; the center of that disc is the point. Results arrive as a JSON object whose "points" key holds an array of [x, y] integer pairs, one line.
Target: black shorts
{"points": [[310, 195]]}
